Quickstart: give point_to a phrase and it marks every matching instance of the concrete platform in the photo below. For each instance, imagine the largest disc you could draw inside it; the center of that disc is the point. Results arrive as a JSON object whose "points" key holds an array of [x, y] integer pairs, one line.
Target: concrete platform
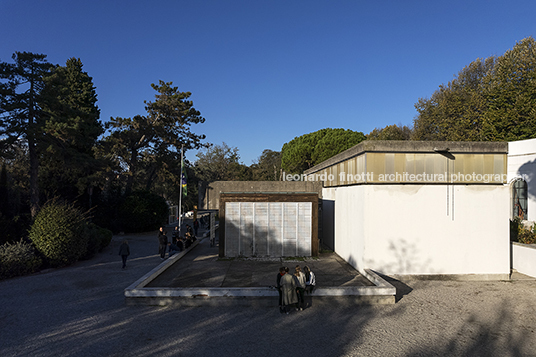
{"points": [[197, 277]]}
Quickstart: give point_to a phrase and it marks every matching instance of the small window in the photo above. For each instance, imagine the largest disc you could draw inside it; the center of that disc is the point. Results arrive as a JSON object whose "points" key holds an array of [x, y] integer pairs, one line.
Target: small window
{"points": [[519, 199]]}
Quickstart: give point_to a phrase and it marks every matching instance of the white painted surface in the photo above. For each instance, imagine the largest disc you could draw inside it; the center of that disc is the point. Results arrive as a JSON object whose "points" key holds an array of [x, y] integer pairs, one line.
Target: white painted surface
{"points": [[423, 229], [524, 258]]}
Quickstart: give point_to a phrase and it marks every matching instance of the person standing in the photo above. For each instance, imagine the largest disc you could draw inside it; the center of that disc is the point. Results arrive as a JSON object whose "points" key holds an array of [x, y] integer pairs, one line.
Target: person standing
{"points": [[175, 235], [300, 287], [196, 226], [162, 241], [278, 285], [288, 289], [124, 252], [310, 280]]}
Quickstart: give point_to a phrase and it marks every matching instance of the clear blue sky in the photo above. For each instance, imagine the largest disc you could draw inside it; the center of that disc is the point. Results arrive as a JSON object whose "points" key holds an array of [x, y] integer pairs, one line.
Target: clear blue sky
{"points": [[264, 72]]}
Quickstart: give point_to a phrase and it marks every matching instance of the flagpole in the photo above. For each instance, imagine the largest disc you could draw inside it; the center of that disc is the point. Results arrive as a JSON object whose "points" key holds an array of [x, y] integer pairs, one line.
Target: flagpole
{"points": [[180, 194]]}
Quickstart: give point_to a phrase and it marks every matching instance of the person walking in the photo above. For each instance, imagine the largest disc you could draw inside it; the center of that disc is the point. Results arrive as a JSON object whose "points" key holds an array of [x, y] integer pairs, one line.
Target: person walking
{"points": [[162, 241], [300, 287], [288, 290], [124, 252]]}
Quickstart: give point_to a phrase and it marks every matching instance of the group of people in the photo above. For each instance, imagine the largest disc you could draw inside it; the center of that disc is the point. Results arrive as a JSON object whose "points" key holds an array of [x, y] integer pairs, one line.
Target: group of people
{"points": [[292, 288], [178, 243]]}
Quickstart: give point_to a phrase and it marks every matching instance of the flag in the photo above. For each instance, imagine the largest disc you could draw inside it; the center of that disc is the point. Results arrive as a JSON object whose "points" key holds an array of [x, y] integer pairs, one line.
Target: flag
{"points": [[183, 179]]}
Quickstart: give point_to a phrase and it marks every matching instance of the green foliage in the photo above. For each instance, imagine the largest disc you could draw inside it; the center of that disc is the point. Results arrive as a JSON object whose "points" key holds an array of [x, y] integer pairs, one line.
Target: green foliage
{"points": [[455, 111], [98, 239], [510, 92], [21, 84], [60, 233], [4, 191], [520, 233], [71, 128], [143, 211], [105, 237], [221, 163], [150, 142], [268, 166], [306, 151], [492, 99], [391, 132], [13, 228], [18, 259]]}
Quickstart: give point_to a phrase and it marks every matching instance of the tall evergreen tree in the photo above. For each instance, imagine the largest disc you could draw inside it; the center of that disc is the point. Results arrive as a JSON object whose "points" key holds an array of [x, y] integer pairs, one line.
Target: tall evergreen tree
{"points": [[20, 113], [71, 128]]}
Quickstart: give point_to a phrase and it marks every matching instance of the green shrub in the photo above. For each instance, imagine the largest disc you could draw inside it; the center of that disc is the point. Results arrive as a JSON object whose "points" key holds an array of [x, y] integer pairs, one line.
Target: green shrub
{"points": [[143, 211], [60, 233], [12, 229], [520, 233], [98, 239], [105, 237], [18, 259]]}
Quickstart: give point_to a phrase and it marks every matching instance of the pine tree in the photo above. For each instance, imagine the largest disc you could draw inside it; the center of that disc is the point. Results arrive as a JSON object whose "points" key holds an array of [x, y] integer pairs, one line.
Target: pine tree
{"points": [[20, 113], [71, 129]]}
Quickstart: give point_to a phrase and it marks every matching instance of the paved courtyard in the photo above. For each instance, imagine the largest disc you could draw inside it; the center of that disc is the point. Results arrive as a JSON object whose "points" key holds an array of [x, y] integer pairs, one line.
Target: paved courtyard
{"points": [[80, 311]]}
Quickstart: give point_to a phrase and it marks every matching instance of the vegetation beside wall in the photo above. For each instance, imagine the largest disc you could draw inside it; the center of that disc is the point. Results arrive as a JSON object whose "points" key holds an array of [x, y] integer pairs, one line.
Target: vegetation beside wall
{"points": [[520, 233]]}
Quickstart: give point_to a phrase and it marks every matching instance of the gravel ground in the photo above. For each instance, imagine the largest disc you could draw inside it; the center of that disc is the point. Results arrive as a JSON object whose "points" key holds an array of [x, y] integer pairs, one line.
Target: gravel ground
{"points": [[80, 311]]}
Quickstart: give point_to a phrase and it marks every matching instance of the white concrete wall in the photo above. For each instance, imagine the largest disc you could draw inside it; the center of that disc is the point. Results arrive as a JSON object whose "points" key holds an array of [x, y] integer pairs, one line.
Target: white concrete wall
{"points": [[405, 229], [524, 258], [522, 162], [349, 213]]}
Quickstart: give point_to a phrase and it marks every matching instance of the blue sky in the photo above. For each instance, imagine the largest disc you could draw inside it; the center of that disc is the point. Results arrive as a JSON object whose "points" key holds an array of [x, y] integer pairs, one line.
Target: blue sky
{"points": [[264, 72]]}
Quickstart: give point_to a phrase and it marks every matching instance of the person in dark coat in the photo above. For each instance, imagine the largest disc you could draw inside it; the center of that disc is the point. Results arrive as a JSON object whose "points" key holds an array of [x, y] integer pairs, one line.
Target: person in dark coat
{"points": [[172, 249], [180, 244], [196, 227], [124, 252], [162, 241], [278, 285], [175, 235]]}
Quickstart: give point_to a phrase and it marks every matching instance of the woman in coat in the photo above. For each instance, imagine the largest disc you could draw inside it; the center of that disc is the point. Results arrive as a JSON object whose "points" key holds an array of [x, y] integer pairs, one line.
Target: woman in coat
{"points": [[288, 290], [300, 287]]}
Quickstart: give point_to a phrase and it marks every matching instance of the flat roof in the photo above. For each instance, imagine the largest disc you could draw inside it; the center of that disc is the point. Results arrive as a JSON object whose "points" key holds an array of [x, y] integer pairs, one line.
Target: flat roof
{"points": [[407, 146]]}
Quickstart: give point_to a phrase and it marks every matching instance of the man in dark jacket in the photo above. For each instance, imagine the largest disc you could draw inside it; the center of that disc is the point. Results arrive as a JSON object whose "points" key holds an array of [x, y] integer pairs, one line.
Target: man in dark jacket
{"points": [[124, 252], [162, 242]]}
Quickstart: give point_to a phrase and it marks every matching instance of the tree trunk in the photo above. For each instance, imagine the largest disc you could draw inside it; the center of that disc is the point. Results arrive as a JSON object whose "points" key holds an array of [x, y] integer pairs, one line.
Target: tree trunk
{"points": [[32, 151]]}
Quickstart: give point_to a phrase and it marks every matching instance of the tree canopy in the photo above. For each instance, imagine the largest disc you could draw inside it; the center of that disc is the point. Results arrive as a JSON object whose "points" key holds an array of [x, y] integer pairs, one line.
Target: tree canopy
{"points": [[20, 111], [391, 132], [492, 99], [267, 167], [221, 163], [303, 152], [71, 127], [147, 142]]}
